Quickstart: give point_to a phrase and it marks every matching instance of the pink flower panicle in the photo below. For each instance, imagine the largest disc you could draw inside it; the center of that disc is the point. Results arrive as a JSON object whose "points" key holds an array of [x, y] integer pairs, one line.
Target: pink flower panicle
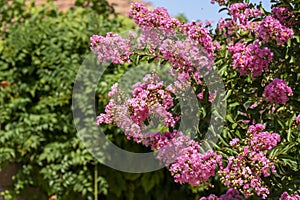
{"points": [[130, 114], [297, 120], [231, 194], [241, 13], [194, 167], [241, 19], [251, 58], [234, 142], [245, 170], [185, 57], [264, 141], [158, 140], [157, 24], [198, 35], [111, 48], [169, 152], [271, 29], [277, 92], [284, 15], [182, 156], [114, 90], [286, 196], [158, 18]]}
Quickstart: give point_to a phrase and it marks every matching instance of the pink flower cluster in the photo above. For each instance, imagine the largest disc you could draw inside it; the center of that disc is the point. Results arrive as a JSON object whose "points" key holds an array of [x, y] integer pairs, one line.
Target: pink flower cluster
{"points": [[245, 170], [182, 156], [168, 153], [241, 18], [251, 58], [158, 18], [185, 57], [298, 119], [111, 48], [234, 142], [159, 140], [286, 196], [277, 92], [157, 24], [194, 167], [264, 141], [130, 114], [284, 15], [231, 194], [241, 13], [271, 29], [198, 35]]}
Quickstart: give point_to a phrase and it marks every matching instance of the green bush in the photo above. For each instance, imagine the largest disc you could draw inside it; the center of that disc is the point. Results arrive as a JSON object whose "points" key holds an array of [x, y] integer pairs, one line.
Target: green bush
{"points": [[41, 50]]}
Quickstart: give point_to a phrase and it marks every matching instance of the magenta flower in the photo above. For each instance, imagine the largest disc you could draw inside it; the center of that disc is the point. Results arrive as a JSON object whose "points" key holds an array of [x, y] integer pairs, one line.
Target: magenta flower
{"points": [[231, 194], [158, 18], [245, 170], [286, 196], [234, 141], [111, 48], [241, 19], [298, 119], [130, 114], [277, 92], [271, 29], [193, 167], [284, 15], [251, 58]]}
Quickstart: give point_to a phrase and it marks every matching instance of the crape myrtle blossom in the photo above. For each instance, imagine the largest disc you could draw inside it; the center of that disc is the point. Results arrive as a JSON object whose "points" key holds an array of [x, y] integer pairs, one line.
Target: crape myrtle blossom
{"points": [[184, 56], [298, 120], [159, 140], [241, 19], [277, 92], [284, 15], [198, 35], [245, 170], [158, 25], [231, 194], [286, 196], [234, 142], [250, 58], [183, 157], [189, 54], [193, 167], [241, 13], [168, 144], [159, 35], [111, 48], [149, 97], [177, 151], [158, 18], [271, 29]]}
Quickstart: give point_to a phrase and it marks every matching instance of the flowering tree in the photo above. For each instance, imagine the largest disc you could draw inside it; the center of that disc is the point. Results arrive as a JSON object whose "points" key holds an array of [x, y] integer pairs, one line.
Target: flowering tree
{"points": [[255, 53]]}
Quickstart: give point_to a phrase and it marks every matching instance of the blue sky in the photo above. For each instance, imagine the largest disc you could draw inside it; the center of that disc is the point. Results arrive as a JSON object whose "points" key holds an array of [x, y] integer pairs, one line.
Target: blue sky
{"points": [[197, 9]]}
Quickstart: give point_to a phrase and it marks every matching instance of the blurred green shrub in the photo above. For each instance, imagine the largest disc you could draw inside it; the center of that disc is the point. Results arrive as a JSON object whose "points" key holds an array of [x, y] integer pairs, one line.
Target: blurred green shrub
{"points": [[41, 50]]}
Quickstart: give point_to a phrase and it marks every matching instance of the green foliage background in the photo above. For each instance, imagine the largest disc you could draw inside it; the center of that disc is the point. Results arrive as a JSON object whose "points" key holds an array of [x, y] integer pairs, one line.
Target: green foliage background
{"points": [[41, 50]]}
